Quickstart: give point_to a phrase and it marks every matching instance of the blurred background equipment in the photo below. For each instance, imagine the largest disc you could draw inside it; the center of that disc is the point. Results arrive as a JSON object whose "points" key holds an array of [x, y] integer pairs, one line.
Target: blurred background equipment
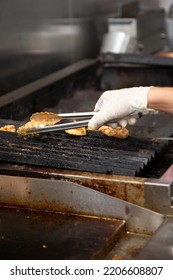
{"points": [[137, 31]]}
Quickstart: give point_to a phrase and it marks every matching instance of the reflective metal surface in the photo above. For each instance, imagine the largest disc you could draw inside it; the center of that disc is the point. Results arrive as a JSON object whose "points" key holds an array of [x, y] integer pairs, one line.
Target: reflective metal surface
{"points": [[158, 195], [118, 42], [60, 196], [67, 38], [62, 27], [154, 231], [160, 247]]}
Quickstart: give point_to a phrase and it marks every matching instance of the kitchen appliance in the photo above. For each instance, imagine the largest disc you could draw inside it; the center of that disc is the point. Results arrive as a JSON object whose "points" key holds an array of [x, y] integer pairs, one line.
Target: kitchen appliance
{"points": [[42, 173]]}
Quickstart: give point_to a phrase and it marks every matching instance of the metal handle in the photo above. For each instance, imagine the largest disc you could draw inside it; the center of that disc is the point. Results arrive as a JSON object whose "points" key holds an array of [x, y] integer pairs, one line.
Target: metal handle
{"points": [[77, 115]]}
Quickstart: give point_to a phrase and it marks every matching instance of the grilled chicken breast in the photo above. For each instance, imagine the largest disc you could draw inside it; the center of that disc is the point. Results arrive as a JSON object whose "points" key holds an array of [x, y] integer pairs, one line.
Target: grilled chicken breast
{"points": [[8, 127]]}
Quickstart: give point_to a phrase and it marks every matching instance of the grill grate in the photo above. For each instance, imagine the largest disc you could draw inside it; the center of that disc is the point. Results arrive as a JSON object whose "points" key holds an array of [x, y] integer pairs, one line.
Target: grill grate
{"points": [[92, 153]]}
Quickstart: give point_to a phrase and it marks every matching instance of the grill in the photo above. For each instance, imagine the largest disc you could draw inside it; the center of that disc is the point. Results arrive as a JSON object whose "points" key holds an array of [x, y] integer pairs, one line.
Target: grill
{"points": [[92, 153], [113, 171]]}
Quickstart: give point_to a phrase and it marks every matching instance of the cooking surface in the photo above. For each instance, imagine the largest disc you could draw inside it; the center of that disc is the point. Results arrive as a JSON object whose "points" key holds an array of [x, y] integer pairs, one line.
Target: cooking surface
{"points": [[41, 235], [94, 152]]}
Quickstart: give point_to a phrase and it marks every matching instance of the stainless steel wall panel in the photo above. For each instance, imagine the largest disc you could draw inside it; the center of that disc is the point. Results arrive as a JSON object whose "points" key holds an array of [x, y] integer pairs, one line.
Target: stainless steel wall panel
{"points": [[65, 28]]}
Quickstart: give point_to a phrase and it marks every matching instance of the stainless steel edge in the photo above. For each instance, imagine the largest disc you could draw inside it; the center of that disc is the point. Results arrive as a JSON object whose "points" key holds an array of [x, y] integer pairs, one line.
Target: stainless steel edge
{"points": [[159, 246], [163, 138], [159, 196]]}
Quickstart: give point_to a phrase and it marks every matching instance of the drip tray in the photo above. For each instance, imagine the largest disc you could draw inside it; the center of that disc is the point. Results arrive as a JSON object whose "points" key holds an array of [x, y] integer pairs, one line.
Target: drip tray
{"points": [[54, 219], [41, 235]]}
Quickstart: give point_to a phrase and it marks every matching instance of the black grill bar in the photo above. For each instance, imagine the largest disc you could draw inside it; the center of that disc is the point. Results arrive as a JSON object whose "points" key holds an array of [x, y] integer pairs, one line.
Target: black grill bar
{"points": [[94, 152]]}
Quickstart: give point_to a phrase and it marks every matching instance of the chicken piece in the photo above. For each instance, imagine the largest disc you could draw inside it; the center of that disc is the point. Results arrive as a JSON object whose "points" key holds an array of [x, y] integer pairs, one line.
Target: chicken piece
{"points": [[29, 125], [47, 118], [8, 127], [81, 131], [37, 120], [118, 132]]}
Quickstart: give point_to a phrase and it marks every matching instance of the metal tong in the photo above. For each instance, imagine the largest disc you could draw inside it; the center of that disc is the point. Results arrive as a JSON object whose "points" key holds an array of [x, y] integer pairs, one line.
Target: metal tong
{"points": [[79, 119]]}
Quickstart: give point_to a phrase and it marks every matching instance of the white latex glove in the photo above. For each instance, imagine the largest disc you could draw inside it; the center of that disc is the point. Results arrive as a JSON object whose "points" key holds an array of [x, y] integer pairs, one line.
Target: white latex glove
{"points": [[121, 105]]}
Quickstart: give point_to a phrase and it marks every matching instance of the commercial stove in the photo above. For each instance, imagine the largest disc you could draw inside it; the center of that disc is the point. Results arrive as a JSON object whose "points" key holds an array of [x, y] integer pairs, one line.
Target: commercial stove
{"points": [[89, 197]]}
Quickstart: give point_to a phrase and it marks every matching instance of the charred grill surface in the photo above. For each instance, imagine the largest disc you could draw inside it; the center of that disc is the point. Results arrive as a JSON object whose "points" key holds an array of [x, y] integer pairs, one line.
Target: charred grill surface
{"points": [[93, 153]]}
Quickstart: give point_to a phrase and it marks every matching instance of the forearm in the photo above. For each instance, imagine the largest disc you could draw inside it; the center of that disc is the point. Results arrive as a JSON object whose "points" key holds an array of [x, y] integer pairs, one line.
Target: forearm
{"points": [[161, 98]]}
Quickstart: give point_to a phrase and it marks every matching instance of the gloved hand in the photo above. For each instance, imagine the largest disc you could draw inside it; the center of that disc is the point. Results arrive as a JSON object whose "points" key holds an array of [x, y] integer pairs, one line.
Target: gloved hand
{"points": [[121, 105]]}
